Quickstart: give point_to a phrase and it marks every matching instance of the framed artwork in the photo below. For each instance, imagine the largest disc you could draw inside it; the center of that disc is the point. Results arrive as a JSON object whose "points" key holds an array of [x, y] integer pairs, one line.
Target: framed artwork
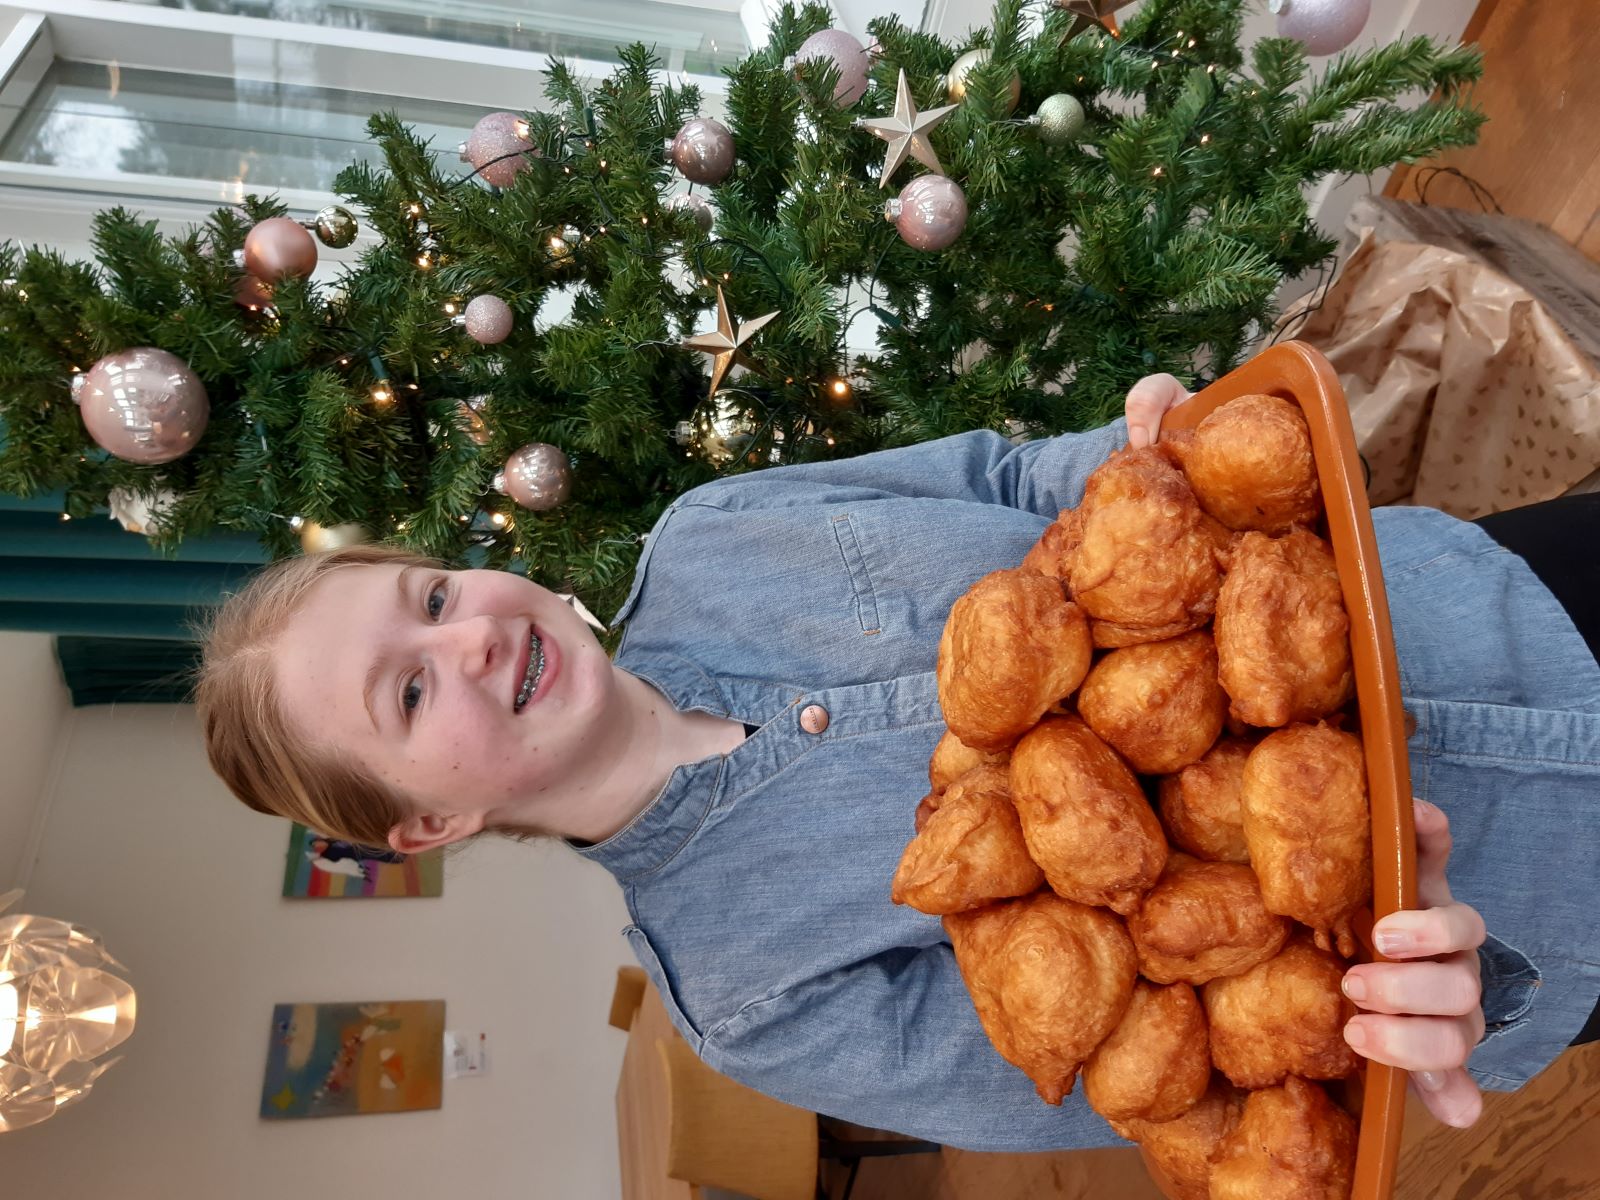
{"points": [[323, 867], [333, 1060]]}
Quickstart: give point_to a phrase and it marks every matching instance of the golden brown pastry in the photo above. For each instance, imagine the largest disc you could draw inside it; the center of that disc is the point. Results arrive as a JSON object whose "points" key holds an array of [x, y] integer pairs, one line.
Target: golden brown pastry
{"points": [[1283, 638], [1249, 463], [1154, 1065], [1159, 705], [1308, 829], [1292, 1143], [1146, 566], [953, 758], [1052, 553], [1086, 821], [1179, 1152], [1049, 978], [1282, 1017], [969, 851], [1202, 921], [1013, 646], [1200, 805]]}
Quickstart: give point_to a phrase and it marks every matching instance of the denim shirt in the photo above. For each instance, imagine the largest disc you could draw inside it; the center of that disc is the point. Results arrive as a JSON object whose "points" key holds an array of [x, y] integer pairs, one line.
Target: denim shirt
{"points": [[758, 881]]}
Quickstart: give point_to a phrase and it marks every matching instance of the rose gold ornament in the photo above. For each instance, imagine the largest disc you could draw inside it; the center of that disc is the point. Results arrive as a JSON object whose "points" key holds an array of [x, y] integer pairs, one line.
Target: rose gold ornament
{"points": [[278, 248], [955, 84], [537, 477], [249, 292], [469, 414], [930, 213], [488, 320], [836, 47], [143, 405], [498, 148], [703, 150], [315, 539], [697, 207]]}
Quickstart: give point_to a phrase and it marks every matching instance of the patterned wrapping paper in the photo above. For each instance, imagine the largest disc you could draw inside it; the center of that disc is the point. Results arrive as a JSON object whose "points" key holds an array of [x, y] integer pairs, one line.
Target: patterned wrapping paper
{"points": [[1469, 348]]}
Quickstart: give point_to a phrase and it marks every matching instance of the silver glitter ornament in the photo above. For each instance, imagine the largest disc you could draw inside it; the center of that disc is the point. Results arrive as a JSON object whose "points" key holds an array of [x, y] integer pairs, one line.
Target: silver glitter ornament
{"points": [[702, 151], [487, 320], [498, 148], [537, 477], [930, 212], [336, 226], [1060, 119], [143, 405]]}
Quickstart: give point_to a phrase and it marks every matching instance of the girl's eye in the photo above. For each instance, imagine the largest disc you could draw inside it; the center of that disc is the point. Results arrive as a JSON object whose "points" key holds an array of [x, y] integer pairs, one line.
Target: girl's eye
{"points": [[412, 696], [440, 594]]}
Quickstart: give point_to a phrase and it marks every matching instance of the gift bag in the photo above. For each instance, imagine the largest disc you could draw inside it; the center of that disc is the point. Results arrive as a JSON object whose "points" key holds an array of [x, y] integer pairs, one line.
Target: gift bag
{"points": [[1469, 348]]}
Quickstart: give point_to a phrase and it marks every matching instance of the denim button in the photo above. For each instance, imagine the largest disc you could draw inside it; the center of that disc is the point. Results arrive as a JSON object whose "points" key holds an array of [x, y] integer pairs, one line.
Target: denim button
{"points": [[813, 718]]}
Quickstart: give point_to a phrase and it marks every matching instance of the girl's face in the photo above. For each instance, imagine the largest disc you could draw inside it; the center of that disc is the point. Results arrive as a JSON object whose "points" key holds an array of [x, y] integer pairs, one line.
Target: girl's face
{"points": [[420, 676]]}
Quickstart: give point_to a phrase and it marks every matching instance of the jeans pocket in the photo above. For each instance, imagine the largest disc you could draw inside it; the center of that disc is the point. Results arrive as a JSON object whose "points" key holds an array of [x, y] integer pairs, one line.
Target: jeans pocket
{"points": [[1510, 981]]}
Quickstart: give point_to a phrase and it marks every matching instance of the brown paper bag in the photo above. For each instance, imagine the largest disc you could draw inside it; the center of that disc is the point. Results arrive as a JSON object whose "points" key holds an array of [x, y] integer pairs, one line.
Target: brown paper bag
{"points": [[1469, 348]]}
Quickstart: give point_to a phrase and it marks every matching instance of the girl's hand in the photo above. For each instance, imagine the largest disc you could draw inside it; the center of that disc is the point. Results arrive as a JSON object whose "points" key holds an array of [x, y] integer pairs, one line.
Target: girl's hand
{"points": [[1433, 1005], [1148, 400]]}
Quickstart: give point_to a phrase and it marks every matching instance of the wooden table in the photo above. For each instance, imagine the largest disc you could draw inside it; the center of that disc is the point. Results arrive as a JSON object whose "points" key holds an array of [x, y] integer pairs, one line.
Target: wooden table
{"points": [[642, 1109]]}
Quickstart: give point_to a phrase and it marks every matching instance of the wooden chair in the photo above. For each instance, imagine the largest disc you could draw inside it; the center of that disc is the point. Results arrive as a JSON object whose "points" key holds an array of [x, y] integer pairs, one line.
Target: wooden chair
{"points": [[627, 997], [725, 1135]]}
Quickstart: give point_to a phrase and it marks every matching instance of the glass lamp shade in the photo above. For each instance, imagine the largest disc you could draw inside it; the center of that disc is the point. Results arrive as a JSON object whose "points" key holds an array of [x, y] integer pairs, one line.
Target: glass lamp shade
{"points": [[61, 1009]]}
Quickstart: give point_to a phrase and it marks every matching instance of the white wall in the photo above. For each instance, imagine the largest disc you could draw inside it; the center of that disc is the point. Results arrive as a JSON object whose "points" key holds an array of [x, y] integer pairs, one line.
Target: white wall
{"points": [[35, 713], [146, 847]]}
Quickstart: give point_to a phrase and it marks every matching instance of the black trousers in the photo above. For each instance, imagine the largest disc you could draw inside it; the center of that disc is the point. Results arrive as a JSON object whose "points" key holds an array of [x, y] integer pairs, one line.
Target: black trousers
{"points": [[1560, 540]]}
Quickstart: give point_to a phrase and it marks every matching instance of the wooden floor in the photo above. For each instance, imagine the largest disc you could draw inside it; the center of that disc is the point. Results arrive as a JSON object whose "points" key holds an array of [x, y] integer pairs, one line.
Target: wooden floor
{"points": [[1542, 1143]]}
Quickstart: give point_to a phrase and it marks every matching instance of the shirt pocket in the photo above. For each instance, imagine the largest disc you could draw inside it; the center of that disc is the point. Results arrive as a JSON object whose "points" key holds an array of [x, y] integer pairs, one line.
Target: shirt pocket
{"points": [[658, 977], [848, 536]]}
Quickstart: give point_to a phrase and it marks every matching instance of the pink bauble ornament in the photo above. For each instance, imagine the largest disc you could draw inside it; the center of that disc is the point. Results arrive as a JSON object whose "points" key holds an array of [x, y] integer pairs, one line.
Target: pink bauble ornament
{"points": [[703, 150], [143, 405], [843, 51], [488, 320], [498, 148], [930, 213], [1323, 26], [537, 477], [249, 292], [278, 249], [697, 207]]}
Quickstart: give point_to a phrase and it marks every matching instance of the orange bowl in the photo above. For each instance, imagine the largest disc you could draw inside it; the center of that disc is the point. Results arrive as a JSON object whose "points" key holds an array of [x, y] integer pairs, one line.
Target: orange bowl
{"points": [[1299, 374]]}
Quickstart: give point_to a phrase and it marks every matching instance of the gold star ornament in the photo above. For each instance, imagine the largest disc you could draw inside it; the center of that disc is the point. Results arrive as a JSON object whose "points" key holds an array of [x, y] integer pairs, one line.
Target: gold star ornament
{"points": [[722, 344], [1095, 10], [907, 132]]}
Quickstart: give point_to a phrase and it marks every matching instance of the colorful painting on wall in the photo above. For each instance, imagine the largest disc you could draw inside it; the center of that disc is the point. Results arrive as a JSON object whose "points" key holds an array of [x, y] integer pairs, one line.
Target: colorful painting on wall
{"points": [[332, 1060], [321, 867]]}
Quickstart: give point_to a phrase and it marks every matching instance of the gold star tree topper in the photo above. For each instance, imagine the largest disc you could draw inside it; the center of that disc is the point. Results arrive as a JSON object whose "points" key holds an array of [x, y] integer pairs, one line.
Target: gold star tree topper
{"points": [[1095, 10], [907, 132], [723, 343]]}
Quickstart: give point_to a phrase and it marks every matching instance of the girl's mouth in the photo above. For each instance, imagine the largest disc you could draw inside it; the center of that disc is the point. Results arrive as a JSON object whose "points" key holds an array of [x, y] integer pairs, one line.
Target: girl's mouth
{"points": [[532, 674]]}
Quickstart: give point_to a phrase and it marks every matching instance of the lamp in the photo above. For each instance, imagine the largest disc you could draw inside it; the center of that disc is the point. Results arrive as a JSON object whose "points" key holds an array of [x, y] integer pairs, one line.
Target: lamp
{"points": [[59, 1012]]}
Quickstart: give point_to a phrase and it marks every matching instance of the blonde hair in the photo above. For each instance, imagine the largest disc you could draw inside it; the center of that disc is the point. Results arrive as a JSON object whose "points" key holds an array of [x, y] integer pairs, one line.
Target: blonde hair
{"points": [[250, 744]]}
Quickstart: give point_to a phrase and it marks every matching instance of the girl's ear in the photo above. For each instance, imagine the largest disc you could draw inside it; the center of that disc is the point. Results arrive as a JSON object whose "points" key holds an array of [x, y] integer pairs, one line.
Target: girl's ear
{"points": [[429, 831]]}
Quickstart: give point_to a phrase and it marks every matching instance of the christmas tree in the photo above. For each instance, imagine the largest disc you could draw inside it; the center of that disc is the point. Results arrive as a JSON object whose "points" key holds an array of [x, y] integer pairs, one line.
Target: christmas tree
{"points": [[1073, 206]]}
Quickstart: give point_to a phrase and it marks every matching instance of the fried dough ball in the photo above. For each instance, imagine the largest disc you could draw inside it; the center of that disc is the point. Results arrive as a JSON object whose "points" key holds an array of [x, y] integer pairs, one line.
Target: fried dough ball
{"points": [[1154, 1066], [1013, 646], [1049, 978], [1159, 705], [1283, 637], [1308, 828], [1292, 1143], [1178, 1153], [1052, 553], [1249, 463], [1200, 805], [1282, 1017], [1202, 921], [969, 851], [953, 758], [1086, 821], [1145, 568]]}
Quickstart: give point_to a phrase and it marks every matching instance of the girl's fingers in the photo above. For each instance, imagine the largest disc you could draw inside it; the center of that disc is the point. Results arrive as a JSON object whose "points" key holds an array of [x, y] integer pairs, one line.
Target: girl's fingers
{"points": [[1440, 989], [1433, 853], [1415, 1043], [1428, 932], [1147, 401], [1451, 1096]]}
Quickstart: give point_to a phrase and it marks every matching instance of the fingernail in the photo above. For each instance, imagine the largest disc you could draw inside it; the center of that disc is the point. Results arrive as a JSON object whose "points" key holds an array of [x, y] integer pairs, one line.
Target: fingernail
{"points": [[1356, 1035], [1428, 1081], [1355, 987], [1420, 807], [1393, 941]]}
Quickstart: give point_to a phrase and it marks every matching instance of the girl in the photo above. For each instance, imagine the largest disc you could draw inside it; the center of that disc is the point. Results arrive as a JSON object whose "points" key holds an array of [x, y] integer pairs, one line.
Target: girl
{"points": [[748, 765]]}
